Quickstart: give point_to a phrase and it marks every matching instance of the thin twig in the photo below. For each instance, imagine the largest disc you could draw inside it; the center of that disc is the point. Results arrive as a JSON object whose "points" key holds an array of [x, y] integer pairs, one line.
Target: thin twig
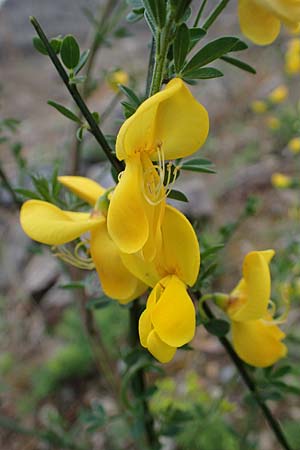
{"points": [[250, 383], [9, 188], [138, 382], [94, 128]]}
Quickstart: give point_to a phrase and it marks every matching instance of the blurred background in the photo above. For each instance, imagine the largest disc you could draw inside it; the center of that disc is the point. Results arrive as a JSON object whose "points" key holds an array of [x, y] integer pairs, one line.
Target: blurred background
{"points": [[48, 377]]}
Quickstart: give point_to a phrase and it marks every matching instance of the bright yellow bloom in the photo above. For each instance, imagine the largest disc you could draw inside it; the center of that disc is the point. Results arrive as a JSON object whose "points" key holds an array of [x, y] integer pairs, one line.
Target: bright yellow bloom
{"points": [[259, 106], [48, 224], [256, 337], [279, 94], [168, 321], [281, 181], [260, 20], [292, 57], [117, 77], [171, 124], [294, 145], [273, 122]]}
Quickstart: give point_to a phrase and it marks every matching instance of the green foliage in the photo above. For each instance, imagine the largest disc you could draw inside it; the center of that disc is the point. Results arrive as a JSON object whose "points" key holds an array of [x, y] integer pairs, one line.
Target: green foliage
{"points": [[192, 417], [64, 111], [70, 52]]}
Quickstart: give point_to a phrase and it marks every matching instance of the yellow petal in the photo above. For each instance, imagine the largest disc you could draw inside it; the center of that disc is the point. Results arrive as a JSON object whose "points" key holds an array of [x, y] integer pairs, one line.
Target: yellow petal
{"points": [[159, 349], [127, 220], [146, 271], [257, 22], [180, 248], [254, 290], [145, 327], [257, 343], [171, 118], [45, 223], [83, 187], [173, 316], [117, 282]]}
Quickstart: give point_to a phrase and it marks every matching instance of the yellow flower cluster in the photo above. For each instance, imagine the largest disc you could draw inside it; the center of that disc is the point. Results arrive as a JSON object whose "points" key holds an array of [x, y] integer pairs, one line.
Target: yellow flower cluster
{"points": [[260, 20], [137, 241]]}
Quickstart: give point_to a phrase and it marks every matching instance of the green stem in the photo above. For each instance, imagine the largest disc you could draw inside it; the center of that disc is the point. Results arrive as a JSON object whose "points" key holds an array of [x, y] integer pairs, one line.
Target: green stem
{"points": [[250, 383], [151, 64], [162, 45], [94, 129], [138, 382], [202, 6], [9, 188], [215, 14]]}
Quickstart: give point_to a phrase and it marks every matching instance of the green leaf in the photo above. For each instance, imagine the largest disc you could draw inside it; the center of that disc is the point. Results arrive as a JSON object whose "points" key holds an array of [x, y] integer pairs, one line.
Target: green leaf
{"points": [[198, 165], [239, 46], [78, 80], [98, 303], [196, 34], [217, 327], [27, 193], [205, 73], [64, 111], [181, 8], [281, 371], [213, 50], [70, 52], [156, 10], [128, 109], [75, 285], [181, 46], [131, 95], [177, 195], [39, 46], [238, 63], [150, 23], [82, 61], [79, 133], [211, 250], [56, 44]]}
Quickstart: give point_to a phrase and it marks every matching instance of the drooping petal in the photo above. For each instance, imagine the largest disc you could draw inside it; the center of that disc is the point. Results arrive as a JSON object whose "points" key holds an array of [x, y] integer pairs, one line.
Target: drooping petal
{"points": [[180, 247], [46, 223], [117, 282], [171, 118], [257, 22], [254, 290], [159, 349], [257, 343], [173, 316], [127, 220], [84, 188]]}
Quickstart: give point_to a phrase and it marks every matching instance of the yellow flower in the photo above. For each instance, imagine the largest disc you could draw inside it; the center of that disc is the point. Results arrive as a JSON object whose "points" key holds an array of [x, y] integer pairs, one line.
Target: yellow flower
{"points": [[117, 77], [260, 20], [171, 124], [279, 94], [294, 145], [168, 321], [292, 57], [273, 122], [259, 107], [48, 224], [256, 337], [281, 181]]}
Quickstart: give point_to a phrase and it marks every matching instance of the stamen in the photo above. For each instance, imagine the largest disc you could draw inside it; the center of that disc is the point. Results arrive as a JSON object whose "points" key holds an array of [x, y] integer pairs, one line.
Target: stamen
{"points": [[285, 295], [158, 179], [74, 259]]}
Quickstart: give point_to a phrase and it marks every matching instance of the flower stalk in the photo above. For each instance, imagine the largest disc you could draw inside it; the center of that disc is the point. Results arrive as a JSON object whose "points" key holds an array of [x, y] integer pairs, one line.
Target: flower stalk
{"points": [[250, 383]]}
